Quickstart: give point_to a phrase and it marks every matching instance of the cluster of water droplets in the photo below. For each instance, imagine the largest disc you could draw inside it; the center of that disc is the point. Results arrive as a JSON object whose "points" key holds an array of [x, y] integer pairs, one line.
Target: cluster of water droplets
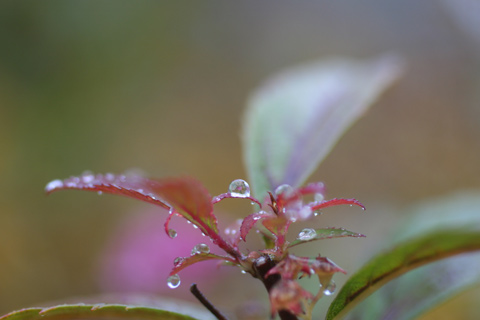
{"points": [[200, 248], [239, 189], [307, 234]]}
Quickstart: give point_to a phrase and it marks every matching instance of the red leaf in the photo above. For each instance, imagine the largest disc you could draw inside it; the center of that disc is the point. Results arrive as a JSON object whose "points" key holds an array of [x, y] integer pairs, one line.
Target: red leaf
{"points": [[336, 202], [136, 187], [185, 196], [250, 221], [182, 263], [293, 267], [189, 198]]}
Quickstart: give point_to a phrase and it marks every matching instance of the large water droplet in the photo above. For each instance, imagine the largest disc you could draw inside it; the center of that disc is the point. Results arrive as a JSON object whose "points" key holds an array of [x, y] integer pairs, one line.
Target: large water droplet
{"points": [[178, 261], [330, 289], [284, 189], [173, 281], [239, 188], [52, 185], [200, 248], [307, 234], [172, 233]]}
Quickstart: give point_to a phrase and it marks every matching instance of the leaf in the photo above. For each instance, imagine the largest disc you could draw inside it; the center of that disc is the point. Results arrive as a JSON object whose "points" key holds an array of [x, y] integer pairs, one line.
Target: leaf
{"points": [[136, 187], [293, 121], [440, 281], [409, 255], [99, 311], [188, 261], [336, 202], [185, 195], [250, 221], [327, 233]]}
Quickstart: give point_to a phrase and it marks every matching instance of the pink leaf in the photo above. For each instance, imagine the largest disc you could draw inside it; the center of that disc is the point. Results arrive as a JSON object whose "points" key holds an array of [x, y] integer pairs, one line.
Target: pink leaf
{"points": [[182, 263], [336, 202]]}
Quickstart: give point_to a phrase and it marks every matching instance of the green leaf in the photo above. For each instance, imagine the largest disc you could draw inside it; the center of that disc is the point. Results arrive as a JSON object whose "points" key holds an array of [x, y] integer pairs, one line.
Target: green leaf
{"points": [[326, 233], [100, 311], [404, 257], [404, 298], [294, 120]]}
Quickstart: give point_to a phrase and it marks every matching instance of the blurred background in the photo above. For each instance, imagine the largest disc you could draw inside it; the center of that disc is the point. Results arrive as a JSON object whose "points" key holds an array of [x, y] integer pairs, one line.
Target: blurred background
{"points": [[111, 86]]}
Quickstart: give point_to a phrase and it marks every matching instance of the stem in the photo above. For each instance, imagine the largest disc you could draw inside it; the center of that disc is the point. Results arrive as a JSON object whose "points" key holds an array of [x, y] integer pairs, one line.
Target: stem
{"points": [[261, 267], [207, 304]]}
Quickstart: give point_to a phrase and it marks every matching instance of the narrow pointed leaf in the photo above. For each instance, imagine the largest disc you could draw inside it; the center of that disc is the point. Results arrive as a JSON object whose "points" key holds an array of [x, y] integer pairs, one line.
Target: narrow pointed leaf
{"points": [[96, 312], [294, 120], [404, 257], [336, 202], [188, 261], [327, 233]]}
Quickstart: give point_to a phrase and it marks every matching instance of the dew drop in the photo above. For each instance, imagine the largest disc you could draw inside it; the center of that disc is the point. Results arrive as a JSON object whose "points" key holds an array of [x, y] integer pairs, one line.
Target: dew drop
{"points": [[109, 176], [99, 193], [88, 177], [172, 233], [52, 185], [239, 189], [200, 248], [307, 234], [284, 189], [243, 272], [330, 289], [178, 261], [173, 281], [318, 197]]}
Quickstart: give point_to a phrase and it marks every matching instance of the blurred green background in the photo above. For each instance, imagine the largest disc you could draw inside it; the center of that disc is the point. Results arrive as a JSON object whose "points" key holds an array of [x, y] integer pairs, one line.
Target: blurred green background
{"points": [[161, 86]]}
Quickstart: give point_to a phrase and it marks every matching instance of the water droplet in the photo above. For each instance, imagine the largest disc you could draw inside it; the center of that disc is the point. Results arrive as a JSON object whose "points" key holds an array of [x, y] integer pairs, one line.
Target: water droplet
{"points": [[307, 234], [52, 185], [284, 189], [243, 272], [239, 188], [195, 226], [88, 177], [109, 176], [173, 281], [318, 197], [99, 193], [178, 261], [172, 233], [330, 289], [200, 248]]}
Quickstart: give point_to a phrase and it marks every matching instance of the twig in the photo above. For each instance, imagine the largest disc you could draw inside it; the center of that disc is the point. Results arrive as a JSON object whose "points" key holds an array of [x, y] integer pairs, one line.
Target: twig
{"points": [[207, 304]]}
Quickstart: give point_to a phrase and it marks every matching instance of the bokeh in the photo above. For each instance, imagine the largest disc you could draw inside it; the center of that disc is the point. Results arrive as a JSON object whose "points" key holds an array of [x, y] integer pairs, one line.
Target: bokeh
{"points": [[159, 86]]}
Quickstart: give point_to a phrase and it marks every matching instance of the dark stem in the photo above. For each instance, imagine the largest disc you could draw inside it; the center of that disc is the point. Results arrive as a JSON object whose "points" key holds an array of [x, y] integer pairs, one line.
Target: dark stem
{"points": [[207, 304], [261, 266]]}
